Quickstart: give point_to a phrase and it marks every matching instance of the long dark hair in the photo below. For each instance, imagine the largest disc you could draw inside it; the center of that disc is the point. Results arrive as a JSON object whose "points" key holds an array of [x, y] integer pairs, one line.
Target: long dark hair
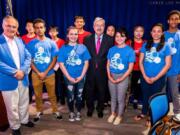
{"points": [[135, 27], [150, 41]]}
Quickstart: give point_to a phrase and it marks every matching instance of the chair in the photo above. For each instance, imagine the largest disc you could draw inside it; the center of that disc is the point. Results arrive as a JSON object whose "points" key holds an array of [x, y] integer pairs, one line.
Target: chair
{"points": [[159, 107]]}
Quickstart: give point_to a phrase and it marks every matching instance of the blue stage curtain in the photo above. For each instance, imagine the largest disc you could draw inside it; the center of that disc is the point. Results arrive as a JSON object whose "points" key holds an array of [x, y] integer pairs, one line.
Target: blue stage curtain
{"points": [[125, 13]]}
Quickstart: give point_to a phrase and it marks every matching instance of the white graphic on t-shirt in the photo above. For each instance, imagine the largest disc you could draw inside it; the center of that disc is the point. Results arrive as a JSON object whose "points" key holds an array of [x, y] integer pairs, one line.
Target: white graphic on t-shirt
{"points": [[152, 56], [41, 56], [116, 62], [171, 44], [73, 59]]}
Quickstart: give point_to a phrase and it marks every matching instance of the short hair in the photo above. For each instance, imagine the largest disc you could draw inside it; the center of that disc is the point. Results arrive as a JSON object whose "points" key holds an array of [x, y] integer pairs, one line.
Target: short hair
{"points": [[98, 19], [29, 21], [137, 26], [78, 17], [10, 17], [39, 20], [54, 28], [111, 25], [172, 13]]}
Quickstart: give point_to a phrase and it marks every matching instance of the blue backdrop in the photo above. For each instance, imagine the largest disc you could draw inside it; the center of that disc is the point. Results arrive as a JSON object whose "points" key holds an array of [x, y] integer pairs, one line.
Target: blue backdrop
{"points": [[125, 13]]}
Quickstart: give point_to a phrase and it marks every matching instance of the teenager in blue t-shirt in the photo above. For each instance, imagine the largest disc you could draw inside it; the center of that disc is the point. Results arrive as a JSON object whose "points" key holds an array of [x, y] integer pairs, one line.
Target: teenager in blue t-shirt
{"points": [[120, 63], [73, 59], [43, 52], [172, 38], [154, 62]]}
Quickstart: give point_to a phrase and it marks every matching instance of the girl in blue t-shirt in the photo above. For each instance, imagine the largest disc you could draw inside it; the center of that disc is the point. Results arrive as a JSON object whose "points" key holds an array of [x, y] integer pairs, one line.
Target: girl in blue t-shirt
{"points": [[73, 59], [120, 63], [154, 62]]}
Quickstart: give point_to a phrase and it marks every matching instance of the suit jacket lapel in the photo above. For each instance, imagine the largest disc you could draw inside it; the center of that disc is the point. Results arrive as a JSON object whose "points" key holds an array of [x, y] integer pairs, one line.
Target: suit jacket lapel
{"points": [[93, 44], [7, 50]]}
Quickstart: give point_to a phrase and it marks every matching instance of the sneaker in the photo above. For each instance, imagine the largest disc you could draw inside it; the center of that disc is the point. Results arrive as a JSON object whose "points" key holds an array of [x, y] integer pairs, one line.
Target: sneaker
{"points": [[71, 117], [57, 115], [117, 121], [78, 116], [176, 118], [38, 116], [111, 118]]}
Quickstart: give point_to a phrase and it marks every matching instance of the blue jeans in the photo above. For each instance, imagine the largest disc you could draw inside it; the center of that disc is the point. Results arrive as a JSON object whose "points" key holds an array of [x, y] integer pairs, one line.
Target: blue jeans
{"points": [[150, 89], [74, 93]]}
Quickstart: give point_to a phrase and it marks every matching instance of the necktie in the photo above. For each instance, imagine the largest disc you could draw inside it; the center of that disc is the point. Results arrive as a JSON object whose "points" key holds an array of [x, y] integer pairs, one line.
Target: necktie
{"points": [[98, 44]]}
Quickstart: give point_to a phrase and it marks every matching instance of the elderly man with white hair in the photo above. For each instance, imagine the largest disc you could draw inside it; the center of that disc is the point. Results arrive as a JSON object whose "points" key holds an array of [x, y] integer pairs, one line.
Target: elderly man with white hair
{"points": [[14, 64], [98, 45]]}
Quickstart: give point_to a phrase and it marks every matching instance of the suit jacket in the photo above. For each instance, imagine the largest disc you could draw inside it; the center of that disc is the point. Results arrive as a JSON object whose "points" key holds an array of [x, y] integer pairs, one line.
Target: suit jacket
{"points": [[8, 67], [101, 58]]}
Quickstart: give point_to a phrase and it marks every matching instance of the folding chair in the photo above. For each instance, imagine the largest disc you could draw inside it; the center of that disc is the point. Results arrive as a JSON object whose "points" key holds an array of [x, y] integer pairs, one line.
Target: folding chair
{"points": [[159, 107]]}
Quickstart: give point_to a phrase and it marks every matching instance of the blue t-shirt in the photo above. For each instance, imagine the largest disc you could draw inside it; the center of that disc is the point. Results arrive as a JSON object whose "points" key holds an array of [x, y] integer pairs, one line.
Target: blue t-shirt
{"points": [[43, 53], [154, 60], [73, 58], [120, 58], [173, 41]]}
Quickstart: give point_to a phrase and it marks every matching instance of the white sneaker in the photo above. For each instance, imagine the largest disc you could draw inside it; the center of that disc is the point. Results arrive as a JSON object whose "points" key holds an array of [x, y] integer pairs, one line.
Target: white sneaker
{"points": [[111, 118], [117, 121], [71, 117], [78, 116], [176, 118]]}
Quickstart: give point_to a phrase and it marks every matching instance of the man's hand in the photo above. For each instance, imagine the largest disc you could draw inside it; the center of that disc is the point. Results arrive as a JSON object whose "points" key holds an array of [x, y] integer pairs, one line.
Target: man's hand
{"points": [[42, 75], [19, 75]]}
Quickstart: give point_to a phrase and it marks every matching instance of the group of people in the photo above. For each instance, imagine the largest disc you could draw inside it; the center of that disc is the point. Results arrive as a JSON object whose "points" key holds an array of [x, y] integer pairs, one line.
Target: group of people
{"points": [[86, 67]]}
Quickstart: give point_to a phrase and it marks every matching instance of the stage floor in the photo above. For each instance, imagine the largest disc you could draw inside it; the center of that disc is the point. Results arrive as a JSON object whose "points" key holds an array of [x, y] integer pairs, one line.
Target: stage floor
{"points": [[48, 125]]}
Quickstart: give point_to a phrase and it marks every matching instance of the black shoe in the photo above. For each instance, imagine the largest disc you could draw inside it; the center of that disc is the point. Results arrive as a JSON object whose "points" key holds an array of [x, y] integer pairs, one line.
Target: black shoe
{"points": [[89, 114], [100, 114], [38, 116], [16, 132], [29, 124], [57, 115]]}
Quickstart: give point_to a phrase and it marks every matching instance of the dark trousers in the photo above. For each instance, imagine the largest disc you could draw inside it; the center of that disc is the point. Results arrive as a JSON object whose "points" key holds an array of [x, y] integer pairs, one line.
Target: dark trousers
{"points": [[95, 89], [31, 90], [74, 93], [150, 89], [60, 86], [135, 86]]}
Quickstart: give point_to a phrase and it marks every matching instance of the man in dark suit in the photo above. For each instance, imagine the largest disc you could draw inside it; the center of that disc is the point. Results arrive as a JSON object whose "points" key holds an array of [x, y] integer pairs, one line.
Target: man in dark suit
{"points": [[98, 45]]}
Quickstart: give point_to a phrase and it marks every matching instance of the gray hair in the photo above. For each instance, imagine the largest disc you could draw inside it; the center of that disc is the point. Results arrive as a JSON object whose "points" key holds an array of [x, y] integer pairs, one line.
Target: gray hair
{"points": [[98, 19], [10, 17]]}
